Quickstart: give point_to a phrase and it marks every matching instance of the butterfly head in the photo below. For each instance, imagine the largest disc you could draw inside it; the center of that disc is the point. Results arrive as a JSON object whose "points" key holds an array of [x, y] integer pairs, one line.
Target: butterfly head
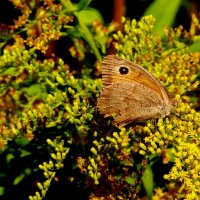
{"points": [[167, 109]]}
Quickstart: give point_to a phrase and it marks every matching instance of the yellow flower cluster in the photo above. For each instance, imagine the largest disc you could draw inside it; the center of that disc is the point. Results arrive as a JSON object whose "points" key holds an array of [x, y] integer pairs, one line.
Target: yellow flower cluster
{"points": [[51, 167], [175, 139]]}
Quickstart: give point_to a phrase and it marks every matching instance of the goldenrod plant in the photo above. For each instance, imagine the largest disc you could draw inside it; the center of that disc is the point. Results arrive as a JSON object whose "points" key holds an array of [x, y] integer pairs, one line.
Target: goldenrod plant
{"points": [[53, 139]]}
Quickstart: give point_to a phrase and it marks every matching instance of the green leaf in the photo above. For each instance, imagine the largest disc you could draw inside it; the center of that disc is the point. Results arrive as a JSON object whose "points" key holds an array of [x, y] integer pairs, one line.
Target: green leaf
{"points": [[34, 90], [2, 190], [21, 176], [83, 30], [130, 180], [10, 71], [9, 157], [83, 4], [89, 16], [147, 180], [164, 12], [195, 47], [22, 141], [18, 179]]}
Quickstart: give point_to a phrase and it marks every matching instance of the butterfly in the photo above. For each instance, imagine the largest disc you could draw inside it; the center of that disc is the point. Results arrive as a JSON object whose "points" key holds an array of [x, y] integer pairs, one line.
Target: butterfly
{"points": [[131, 93]]}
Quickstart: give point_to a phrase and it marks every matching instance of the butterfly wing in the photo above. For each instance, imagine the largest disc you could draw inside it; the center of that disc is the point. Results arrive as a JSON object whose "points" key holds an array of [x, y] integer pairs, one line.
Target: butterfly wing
{"points": [[130, 101], [110, 73], [131, 92]]}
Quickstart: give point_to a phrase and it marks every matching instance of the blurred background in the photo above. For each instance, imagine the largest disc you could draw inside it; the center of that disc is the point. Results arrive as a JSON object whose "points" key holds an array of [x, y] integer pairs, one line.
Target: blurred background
{"points": [[179, 10], [136, 9]]}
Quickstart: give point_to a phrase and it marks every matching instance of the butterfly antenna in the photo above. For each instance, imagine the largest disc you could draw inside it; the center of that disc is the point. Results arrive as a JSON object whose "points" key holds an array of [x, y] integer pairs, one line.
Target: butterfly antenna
{"points": [[194, 85]]}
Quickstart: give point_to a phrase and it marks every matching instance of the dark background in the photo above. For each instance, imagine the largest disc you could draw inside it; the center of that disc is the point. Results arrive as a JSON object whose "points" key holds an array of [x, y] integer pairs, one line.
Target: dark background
{"points": [[133, 9]]}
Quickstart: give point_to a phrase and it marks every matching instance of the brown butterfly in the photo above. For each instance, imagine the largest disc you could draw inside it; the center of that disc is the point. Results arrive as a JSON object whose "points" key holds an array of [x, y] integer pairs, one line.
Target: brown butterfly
{"points": [[131, 92]]}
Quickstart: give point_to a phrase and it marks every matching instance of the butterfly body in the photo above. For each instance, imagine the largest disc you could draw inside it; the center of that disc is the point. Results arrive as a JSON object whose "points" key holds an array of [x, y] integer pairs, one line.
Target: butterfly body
{"points": [[131, 92]]}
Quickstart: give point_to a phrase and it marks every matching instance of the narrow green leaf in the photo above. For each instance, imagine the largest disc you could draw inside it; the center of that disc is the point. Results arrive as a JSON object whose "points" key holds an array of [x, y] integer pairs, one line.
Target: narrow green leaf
{"points": [[9, 71], [18, 179], [195, 47], [147, 180], [2, 190], [83, 29], [83, 4], [164, 12]]}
